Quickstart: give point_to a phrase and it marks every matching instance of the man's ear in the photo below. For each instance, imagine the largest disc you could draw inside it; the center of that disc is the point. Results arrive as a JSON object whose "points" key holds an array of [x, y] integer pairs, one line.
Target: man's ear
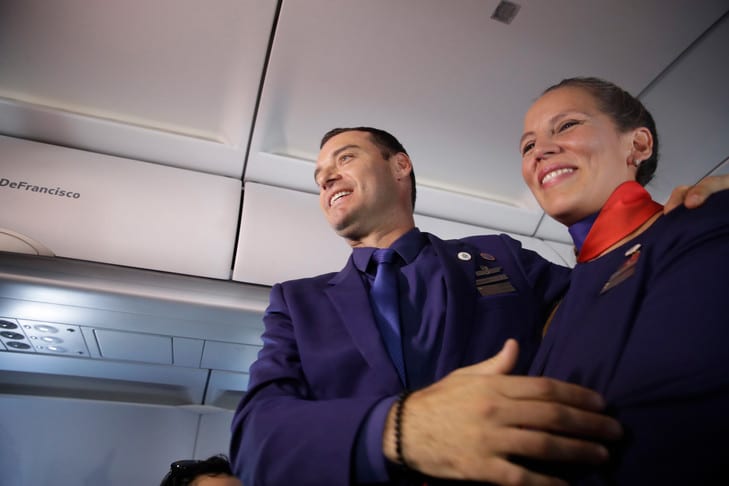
{"points": [[642, 147], [402, 165]]}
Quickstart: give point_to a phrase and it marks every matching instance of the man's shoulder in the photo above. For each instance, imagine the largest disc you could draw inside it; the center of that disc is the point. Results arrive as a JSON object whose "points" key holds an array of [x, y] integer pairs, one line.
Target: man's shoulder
{"points": [[309, 281], [500, 246], [482, 242]]}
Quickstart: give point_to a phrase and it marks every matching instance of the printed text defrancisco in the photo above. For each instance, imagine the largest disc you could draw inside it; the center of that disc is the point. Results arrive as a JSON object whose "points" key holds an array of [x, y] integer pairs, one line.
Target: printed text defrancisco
{"points": [[26, 186]]}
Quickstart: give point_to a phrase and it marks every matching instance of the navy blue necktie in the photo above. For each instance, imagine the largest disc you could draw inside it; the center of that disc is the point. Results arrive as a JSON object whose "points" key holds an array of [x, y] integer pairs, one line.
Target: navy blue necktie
{"points": [[386, 306]]}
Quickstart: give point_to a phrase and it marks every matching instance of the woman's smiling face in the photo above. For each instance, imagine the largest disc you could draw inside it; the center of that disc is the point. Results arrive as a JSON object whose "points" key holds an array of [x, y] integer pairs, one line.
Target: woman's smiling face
{"points": [[573, 155]]}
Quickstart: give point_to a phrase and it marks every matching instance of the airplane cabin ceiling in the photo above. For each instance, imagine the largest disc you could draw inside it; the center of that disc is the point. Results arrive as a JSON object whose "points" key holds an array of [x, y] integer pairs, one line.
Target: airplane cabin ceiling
{"points": [[240, 92], [245, 89], [177, 81], [449, 81], [177, 69]]}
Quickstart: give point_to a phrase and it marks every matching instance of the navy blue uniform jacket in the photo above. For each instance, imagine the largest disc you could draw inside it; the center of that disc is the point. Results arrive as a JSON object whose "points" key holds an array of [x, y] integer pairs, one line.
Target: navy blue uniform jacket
{"points": [[656, 345], [323, 364]]}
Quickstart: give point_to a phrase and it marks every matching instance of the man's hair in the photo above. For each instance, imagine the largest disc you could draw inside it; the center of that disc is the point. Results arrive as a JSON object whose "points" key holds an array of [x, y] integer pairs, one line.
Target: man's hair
{"points": [[625, 110], [182, 473], [385, 141]]}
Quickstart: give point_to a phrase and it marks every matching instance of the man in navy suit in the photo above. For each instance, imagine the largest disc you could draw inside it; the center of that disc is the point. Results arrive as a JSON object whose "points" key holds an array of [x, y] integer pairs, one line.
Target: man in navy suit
{"points": [[327, 406]]}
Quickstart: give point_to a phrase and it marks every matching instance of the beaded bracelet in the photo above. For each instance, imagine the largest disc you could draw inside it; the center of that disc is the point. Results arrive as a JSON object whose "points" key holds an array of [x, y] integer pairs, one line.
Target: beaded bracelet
{"points": [[400, 407]]}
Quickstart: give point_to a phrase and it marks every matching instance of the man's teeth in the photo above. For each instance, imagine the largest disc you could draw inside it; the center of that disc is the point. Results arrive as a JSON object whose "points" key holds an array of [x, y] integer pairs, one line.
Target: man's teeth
{"points": [[337, 195], [556, 173]]}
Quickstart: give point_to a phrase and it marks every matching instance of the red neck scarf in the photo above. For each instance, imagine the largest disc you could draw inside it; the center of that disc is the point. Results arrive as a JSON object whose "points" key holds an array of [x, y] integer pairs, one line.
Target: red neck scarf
{"points": [[627, 208]]}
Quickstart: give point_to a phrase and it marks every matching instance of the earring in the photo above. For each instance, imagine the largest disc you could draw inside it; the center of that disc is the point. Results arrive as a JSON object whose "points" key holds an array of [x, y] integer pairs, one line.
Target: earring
{"points": [[637, 162]]}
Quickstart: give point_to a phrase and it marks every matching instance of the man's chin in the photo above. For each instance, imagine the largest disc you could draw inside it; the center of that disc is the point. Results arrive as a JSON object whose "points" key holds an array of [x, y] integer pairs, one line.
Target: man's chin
{"points": [[348, 231]]}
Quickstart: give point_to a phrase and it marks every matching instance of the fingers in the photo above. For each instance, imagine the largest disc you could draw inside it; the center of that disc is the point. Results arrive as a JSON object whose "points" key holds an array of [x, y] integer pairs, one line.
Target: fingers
{"points": [[533, 388], [468, 424], [498, 470], [551, 405], [695, 196], [527, 388], [543, 446], [500, 364], [560, 419], [676, 199], [479, 448]]}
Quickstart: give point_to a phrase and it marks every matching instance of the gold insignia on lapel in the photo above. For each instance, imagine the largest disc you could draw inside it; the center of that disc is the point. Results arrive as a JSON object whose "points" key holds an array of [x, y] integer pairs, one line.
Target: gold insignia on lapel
{"points": [[487, 271], [491, 280], [626, 270], [496, 278], [632, 249]]}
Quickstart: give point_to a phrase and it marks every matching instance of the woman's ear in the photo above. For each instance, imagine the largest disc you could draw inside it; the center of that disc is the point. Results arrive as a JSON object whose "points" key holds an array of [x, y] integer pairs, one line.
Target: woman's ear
{"points": [[642, 147]]}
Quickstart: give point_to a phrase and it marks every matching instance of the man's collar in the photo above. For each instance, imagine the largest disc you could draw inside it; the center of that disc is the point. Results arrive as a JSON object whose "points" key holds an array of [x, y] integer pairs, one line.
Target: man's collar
{"points": [[407, 246]]}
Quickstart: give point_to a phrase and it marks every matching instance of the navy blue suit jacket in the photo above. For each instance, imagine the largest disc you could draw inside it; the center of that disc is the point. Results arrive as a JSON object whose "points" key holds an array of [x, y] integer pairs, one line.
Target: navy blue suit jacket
{"points": [[323, 364]]}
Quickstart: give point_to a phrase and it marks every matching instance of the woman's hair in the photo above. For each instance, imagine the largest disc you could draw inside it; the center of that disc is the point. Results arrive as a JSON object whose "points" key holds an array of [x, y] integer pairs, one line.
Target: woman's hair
{"points": [[184, 472], [626, 111]]}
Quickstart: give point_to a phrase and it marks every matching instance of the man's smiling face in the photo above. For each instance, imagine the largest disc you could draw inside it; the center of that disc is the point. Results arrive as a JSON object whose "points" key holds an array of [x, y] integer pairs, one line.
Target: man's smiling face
{"points": [[358, 187]]}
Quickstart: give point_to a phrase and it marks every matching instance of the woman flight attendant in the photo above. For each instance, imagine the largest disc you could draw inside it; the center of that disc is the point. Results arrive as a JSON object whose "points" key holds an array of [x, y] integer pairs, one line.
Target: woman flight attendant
{"points": [[645, 321]]}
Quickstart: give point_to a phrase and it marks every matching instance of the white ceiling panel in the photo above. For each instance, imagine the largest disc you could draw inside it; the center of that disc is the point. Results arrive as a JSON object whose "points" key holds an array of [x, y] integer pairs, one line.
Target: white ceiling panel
{"points": [[172, 66], [284, 236], [691, 106], [722, 169], [566, 251], [88, 206], [450, 82], [25, 120]]}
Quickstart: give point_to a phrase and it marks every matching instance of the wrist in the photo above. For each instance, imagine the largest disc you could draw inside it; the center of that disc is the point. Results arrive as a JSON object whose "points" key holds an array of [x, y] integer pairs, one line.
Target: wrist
{"points": [[399, 413], [393, 444], [388, 435]]}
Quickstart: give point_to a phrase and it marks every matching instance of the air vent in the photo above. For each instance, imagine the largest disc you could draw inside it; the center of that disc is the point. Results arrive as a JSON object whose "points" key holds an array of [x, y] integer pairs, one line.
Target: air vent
{"points": [[505, 12], [42, 337]]}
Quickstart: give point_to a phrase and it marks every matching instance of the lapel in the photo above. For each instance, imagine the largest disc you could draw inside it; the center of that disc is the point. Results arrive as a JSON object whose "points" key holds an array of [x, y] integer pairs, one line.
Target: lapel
{"points": [[350, 299], [589, 353], [461, 298]]}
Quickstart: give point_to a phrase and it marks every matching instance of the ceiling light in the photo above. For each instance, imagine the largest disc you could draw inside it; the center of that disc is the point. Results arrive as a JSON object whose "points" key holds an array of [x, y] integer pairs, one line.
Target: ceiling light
{"points": [[505, 12], [44, 328]]}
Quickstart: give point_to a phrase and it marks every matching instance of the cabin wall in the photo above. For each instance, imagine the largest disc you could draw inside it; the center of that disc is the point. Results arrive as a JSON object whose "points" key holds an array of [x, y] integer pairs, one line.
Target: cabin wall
{"points": [[66, 441]]}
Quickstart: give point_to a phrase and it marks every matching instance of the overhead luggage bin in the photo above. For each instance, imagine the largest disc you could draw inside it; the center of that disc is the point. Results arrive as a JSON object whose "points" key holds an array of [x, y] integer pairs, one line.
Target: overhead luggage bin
{"points": [[94, 207], [285, 236], [173, 82]]}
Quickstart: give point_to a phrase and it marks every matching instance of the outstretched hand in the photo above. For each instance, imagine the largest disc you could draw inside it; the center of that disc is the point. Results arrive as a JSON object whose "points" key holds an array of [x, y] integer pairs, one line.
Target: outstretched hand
{"points": [[467, 425], [694, 196]]}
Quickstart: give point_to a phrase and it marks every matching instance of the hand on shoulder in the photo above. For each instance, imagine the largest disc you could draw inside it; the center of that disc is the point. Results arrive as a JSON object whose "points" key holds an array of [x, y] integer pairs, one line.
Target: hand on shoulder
{"points": [[694, 196]]}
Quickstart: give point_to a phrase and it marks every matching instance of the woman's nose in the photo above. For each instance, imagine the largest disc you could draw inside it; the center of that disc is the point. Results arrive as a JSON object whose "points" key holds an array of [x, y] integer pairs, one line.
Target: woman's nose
{"points": [[543, 149]]}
